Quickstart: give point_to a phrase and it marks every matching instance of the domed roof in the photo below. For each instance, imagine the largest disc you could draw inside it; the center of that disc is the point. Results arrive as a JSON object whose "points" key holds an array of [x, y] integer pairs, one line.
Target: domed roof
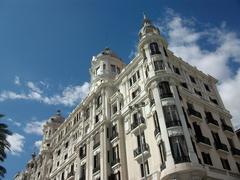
{"points": [[56, 118], [147, 27], [107, 51]]}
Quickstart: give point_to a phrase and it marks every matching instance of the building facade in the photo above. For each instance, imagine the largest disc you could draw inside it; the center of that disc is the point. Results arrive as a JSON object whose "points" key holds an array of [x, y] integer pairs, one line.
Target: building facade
{"points": [[156, 118]]}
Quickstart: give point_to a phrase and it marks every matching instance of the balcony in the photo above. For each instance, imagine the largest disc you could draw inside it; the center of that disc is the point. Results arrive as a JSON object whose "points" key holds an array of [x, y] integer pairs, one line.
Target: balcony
{"points": [[166, 95], [115, 161], [96, 169], [194, 115], [227, 129], [203, 141], [70, 176], [235, 152], [138, 153], [181, 159], [114, 135], [212, 122], [138, 124], [173, 123], [221, 147]]}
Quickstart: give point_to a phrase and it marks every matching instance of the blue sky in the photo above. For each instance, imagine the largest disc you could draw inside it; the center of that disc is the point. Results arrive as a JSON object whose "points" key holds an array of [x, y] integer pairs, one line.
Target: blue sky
{"points": [[46, 49]]}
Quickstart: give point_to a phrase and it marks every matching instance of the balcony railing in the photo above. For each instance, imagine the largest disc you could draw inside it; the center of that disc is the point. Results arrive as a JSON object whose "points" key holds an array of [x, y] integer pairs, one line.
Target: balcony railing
{"points": [[115, 161], [203, 139], [166, 95], [138, 151], [157, 131], [235, 151], [96, 169], [212, 121], [227, 128], [96, 144], [181, 159], [194, 113], [137, 122], [173, 123], [221, 146], [114, 135]]}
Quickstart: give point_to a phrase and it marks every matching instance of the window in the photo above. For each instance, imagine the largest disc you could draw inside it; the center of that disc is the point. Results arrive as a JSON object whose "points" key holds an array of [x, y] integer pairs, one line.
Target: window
{"points": [[66, 156], [164, 89], [198, 92], [96, 161], [58, 152], [138, 74], [146, 71], [83, 172], [113, 68], [179, 149], [130, 82], [118, 70], [192, 79], [225, 164], [98, 101], [57, 163], [134, 78], [104, 66], [230, 141], [97, 70], [206, 158], [213, 100], [183, 84], [158, 65], [207, 87], [114, 108], [165, 52], [135, 93], [83, 151], [62, 176], [96, 140], [87, 113], [162, 151], [87, 128], [154, 48], [176, 70], [96, 119], [66, 144], [115, 155], [216, 138], [171, 116], [144, 168], [156, 122]]}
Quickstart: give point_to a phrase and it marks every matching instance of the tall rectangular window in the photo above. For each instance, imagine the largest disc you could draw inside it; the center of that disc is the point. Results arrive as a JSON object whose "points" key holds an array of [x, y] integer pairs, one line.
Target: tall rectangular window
{"points": [[144, 167], [207, 158], [225, 164]]}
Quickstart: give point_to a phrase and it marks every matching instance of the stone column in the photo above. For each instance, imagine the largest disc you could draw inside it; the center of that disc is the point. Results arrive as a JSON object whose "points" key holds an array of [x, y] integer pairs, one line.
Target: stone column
{"points": [[163, 128]]}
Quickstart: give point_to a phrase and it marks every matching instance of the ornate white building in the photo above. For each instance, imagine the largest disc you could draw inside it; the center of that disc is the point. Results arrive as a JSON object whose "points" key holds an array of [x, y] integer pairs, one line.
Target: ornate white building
{"points": [[156, 118]]}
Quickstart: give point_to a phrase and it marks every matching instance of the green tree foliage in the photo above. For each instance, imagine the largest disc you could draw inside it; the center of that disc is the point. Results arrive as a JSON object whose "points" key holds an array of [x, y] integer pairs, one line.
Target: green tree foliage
{"points": [[4, 144]]}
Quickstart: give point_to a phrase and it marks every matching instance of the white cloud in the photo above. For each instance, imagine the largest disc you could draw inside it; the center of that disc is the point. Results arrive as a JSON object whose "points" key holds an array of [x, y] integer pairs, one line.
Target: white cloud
{"points": [[17, 143], [16, 123], [37, 144], [33, 87], [188, 42], [17, 81], [70, 96], [34, 127]]}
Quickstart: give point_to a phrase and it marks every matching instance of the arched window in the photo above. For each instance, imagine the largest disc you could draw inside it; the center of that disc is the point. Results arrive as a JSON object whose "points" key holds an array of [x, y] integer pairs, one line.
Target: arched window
{"points": [[164, 89], [154, 48]]}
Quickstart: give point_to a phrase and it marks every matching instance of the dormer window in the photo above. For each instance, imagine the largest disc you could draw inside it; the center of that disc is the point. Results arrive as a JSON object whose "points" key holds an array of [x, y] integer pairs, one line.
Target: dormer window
{"points": [[113, 68], [154, 48]]}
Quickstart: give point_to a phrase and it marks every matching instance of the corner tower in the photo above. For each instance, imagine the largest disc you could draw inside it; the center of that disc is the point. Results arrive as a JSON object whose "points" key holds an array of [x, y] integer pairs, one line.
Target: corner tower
{"points": [[105, 67]]}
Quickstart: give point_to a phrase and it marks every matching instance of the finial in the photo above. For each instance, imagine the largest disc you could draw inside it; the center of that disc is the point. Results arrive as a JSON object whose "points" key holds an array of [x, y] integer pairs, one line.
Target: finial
{"points": [[144, 16]]}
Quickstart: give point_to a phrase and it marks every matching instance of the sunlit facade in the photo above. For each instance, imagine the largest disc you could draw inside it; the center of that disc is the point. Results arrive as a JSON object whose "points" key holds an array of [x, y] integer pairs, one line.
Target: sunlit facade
{"points": [[155, 118]]}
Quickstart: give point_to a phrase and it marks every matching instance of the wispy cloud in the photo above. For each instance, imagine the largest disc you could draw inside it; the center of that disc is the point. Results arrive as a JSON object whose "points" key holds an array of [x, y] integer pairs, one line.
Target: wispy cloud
{"points": [[16, 123], [34, 127], [188, 41], [70, 96], [17, 143], [17, 80], [37, 144]]}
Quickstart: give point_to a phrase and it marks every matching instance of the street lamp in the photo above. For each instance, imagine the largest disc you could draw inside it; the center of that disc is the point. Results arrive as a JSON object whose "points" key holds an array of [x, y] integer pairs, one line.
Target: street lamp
{"points": [[138, 107]]}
